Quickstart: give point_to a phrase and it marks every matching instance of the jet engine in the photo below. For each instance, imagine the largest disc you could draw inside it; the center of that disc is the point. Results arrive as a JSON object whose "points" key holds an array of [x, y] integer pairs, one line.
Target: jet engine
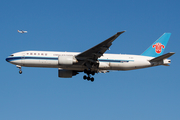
{"points": [[66, 73], [66, 60]]}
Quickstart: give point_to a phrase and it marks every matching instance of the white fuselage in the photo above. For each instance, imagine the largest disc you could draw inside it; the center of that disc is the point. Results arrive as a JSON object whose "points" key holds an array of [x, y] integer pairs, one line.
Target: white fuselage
{"points": [[106, 62]]}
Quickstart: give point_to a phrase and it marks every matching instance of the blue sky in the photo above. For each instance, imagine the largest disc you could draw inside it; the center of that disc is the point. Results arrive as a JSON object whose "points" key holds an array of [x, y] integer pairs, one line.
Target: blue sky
{"points": [[55, 25]]}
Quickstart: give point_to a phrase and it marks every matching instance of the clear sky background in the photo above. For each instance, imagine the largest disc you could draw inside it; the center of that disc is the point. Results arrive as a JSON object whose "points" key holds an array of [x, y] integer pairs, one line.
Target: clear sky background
{"points": [[77, 25]]}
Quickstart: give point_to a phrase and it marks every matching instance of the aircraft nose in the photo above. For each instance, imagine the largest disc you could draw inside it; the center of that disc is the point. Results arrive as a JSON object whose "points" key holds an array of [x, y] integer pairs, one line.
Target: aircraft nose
{"points": [[7, 59]]}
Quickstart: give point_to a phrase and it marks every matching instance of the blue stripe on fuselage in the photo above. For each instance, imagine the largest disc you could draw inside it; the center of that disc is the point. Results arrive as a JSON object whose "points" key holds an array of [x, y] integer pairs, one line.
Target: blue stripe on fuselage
{"points": [[115, 61], [9, 59]]}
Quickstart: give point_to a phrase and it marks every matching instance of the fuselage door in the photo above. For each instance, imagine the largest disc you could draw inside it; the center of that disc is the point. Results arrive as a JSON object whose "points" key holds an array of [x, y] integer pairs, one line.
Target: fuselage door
{"points": [[23, 58]]}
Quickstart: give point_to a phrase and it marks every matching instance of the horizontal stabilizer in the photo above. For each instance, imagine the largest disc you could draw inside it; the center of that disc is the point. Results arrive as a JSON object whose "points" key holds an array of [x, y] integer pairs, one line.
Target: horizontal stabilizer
{"points": [[162, 57]]}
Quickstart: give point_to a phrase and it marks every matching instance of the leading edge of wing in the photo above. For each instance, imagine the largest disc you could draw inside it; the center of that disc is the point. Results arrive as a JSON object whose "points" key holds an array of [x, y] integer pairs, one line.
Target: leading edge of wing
{"points": [[98, 50]]}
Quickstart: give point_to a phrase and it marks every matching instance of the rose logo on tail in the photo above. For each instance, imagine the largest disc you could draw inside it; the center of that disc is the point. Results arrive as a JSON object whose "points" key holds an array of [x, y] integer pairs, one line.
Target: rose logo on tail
{"points": [[158, 47]]}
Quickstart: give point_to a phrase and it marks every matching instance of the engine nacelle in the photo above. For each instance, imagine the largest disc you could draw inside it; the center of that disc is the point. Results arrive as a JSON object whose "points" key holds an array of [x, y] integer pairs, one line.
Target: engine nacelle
{"points": [[66, 60], [66, 73]]}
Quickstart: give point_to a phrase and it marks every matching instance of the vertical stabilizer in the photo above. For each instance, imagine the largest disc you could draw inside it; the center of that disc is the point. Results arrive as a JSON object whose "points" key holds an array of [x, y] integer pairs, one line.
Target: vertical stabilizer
{"points": [[158, 47]]}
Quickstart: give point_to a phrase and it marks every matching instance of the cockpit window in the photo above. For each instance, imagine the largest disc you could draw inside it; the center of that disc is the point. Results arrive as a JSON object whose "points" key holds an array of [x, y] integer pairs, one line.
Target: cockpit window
{"points": [[11, 55]]}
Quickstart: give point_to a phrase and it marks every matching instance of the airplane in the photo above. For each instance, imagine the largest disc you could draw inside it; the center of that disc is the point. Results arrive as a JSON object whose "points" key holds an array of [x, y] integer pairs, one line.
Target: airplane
{"points": [[94, 60], [21, 31]]}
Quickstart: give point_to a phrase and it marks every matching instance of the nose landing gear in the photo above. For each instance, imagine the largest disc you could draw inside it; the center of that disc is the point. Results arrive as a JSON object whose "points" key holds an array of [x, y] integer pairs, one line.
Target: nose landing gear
{"points": [[20, 71]]}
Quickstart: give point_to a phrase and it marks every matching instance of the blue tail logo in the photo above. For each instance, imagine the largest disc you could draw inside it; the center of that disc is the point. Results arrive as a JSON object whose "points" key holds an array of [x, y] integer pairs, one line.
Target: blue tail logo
{"points": [[158, 47]]}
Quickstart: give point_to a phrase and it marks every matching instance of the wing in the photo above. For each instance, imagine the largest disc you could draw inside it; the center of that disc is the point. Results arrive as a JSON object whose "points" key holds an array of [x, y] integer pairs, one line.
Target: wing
{"points": [[97, 51]]}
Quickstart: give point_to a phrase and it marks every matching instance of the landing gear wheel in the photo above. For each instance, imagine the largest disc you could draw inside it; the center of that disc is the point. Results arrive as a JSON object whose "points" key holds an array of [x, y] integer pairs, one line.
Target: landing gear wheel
{"points": [[84, 77], [89, 73], [20, 72], [92, 79], [88, 78], [93, 73]]}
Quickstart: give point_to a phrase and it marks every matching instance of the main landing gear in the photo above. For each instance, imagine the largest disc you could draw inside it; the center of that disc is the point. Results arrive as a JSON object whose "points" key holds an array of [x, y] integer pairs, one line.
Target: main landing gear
{"points": [[88, 77], [20, 71]]}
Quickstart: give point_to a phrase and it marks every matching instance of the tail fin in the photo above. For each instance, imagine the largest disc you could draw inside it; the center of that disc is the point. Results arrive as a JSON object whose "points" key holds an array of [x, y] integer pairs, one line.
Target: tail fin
{"points": [[158, 47]]}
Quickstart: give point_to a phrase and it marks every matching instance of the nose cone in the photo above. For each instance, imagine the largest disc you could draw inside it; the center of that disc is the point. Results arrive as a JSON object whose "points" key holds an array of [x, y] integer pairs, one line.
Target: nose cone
{"points": [[7, 59]]}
